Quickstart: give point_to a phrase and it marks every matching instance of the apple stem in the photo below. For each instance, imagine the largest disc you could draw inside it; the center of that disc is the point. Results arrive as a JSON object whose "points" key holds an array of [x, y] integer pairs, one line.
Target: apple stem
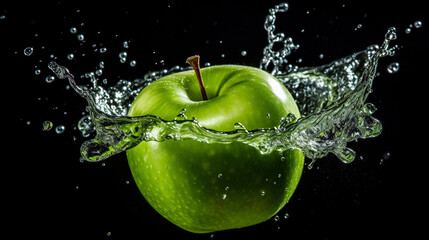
{"points": [[194, 61]]}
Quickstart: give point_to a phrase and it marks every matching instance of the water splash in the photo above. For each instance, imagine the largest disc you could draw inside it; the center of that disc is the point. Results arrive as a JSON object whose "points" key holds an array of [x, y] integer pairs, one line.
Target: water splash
{"points": [[331, 98], [272, 59]]}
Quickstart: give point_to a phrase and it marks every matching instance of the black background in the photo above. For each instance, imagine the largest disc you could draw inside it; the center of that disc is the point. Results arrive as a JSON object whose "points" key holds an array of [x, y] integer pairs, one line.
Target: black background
{"points": [[49, 194]]}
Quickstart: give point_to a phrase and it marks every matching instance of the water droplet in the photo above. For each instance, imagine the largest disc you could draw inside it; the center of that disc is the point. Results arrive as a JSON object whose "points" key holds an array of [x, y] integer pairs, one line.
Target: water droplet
{"points": [[49, 79], [60, 129], [125, 44], [181, 115], [239, 126], [393, 67], [391, 34], [386, 155], [81, 37], [86, 126], [47, 125], [123, 57], [123, 54], [28, 51], [243, 53], [73, 30], [98, 72], [418, 24], [282, 7], [268, 116]]}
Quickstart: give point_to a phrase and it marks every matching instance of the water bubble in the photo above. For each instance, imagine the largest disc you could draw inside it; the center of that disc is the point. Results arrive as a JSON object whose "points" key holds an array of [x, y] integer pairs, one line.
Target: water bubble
{"points": [[49, 79], [224, 196], [286, 216], [408, 30], [418, 24], [219, 175], [73, 30], [262, 193], [393, 67], [103, 50], [276, 218], [28, 51], [37, 72], [47, 125], [70, 56], [243, 53], [60, 129], [133, 63]]}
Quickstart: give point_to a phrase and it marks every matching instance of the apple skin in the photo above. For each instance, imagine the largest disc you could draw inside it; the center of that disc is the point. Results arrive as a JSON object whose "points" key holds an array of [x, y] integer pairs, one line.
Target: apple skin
{"points": [[203, 187]]}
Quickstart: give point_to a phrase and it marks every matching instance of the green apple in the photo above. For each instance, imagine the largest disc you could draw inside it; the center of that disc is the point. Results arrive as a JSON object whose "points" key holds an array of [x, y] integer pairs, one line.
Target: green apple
{"points": [[203, 187]]}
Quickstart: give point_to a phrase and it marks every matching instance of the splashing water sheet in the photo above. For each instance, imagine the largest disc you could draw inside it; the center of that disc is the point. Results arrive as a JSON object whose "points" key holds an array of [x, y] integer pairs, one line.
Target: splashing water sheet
{"points": [[335, 93]]}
